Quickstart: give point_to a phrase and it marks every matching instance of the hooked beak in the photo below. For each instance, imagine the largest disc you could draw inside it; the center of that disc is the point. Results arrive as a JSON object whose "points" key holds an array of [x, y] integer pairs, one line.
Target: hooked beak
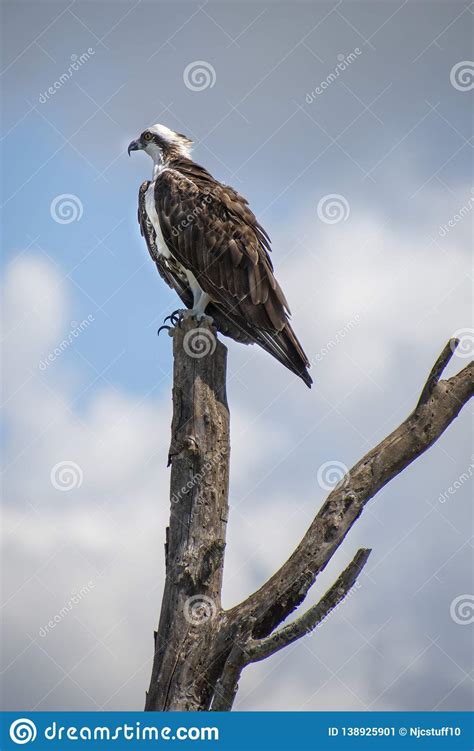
{"points": [[134, 146]]}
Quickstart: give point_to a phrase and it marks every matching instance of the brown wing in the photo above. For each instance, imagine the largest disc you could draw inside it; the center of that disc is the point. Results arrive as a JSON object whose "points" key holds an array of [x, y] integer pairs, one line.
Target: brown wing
{"points": [[173, 277], [210, 229]]}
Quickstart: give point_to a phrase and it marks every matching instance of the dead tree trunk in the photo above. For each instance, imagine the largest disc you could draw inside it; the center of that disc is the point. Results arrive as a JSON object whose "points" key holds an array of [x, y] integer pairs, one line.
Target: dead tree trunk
{"points": [[200, 649], [183, 676]]}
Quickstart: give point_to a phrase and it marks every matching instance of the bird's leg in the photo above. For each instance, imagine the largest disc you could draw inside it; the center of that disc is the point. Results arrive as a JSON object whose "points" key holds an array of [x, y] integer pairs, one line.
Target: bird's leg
{"points": [[200, 300], [200, 303]]}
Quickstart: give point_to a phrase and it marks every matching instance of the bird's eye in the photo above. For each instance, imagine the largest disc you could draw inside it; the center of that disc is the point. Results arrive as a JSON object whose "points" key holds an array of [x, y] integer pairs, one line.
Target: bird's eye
{"points": [[147, 136]]}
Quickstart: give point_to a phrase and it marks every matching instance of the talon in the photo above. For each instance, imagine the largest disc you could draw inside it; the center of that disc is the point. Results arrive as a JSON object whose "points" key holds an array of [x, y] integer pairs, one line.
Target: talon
{"points": [[168, 328], [173, 317]]}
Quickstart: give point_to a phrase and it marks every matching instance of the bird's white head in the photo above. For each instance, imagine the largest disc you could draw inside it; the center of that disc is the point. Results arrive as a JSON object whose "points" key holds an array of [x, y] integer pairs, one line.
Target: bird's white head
{"points": [[162, 144]]}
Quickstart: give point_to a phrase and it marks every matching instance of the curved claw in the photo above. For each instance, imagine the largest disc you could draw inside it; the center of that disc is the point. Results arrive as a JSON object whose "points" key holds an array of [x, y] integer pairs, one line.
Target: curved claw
{"points": [[168, 328], [173, 317]]}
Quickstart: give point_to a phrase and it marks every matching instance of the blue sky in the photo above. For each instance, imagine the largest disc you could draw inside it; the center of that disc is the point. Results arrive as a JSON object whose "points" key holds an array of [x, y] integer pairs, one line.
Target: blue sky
{"points": [[390, 137]]}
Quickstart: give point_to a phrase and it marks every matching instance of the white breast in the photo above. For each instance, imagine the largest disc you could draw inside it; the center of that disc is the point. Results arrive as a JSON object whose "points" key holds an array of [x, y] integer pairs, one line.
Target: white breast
{"points": [[162, 247], [153, 217]]}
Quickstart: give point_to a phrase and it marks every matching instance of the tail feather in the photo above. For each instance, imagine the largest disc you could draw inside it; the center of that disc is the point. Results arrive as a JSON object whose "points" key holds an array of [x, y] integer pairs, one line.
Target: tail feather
{"points": [[285, 347], [282, 345]]}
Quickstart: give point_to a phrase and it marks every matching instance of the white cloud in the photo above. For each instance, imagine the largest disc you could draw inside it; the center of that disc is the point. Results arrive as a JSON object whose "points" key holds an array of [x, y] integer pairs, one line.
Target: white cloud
{"points": [[408, 294], [397, 287], [110, 528]]}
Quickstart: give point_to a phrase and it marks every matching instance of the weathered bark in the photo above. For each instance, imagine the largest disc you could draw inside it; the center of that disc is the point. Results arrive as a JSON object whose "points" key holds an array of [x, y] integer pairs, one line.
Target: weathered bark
{"points": [[254, 650], [199, 655], [199, 456], [439, 403]]}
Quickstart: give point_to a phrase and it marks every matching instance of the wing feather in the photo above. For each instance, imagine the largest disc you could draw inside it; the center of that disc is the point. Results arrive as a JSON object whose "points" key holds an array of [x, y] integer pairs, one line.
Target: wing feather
{"points": [[211, 231]]}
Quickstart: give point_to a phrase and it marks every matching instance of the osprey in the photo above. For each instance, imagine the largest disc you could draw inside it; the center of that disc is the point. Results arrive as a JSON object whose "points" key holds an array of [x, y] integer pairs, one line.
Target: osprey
{"points": [[209, 248]]}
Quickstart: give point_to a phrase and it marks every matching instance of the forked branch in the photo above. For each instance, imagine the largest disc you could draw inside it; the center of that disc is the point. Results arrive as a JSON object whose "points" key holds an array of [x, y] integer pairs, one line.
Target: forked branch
{"points": [[251, 650], [256, 650], [200, 649], [439, 403]]}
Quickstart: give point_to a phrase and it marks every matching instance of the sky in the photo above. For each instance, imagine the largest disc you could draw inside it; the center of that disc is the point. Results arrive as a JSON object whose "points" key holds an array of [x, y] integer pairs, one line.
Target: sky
{"points": [[348, 126]]}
